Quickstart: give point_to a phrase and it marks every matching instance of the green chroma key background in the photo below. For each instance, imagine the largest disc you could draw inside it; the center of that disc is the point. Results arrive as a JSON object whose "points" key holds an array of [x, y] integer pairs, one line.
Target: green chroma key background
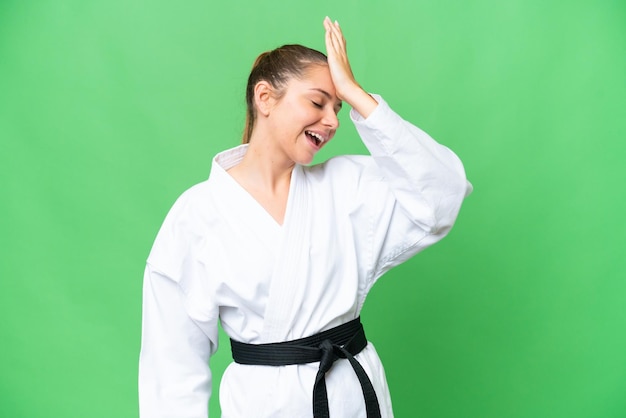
{"points": [[110, 109]]}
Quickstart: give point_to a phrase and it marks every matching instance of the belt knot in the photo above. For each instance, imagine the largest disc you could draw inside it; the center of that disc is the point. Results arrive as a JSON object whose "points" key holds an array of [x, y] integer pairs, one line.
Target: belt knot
{"points": [[329, 353]]}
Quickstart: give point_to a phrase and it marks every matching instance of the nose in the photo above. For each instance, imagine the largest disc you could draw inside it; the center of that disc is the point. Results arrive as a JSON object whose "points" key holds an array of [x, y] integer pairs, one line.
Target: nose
{"points": [[330, 119]]}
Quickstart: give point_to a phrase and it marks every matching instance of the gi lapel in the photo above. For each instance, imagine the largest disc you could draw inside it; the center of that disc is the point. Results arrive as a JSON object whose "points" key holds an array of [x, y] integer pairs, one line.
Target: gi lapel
{"points": [[289, 278]]}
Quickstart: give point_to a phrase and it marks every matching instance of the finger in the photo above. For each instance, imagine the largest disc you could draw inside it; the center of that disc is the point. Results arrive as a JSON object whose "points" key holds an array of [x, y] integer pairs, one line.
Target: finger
{"points": [[335, 35], [332, 27], [332, 44], [336, 28], [327, 23], [335, 42], [333, 39]]}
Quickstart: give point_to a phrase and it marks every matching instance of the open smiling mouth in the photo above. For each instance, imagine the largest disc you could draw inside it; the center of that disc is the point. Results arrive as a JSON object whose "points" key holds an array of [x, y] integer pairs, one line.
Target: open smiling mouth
{"points": [[317, 139]]}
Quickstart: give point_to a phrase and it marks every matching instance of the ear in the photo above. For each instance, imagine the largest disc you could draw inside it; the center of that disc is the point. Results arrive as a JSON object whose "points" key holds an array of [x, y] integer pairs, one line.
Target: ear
{"points": [[263, 97]]}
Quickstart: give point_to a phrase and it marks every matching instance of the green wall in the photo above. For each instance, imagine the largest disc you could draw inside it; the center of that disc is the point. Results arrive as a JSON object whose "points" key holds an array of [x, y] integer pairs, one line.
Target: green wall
{"points": [[110, 109]]}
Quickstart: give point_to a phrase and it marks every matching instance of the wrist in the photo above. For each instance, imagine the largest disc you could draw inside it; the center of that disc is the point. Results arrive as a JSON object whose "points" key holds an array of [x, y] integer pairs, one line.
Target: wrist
{"points": [[359, 100]]}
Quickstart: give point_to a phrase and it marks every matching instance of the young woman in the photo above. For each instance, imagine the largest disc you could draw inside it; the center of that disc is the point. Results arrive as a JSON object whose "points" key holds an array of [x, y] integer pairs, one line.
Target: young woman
{"points": [[284, 254]]}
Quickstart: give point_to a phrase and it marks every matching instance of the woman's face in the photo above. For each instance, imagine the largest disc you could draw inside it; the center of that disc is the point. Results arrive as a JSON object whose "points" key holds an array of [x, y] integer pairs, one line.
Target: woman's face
{"points": [[304, 119]]}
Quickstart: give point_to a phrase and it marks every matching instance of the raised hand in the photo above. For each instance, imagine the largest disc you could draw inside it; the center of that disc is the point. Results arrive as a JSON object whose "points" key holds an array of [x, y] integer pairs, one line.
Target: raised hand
{"points": [[338, 62], [341, 73]]}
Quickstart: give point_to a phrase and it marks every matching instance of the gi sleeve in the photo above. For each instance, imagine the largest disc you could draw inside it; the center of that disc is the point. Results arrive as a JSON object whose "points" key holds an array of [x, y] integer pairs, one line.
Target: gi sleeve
{"points": [[418, 189], [179, 325]]}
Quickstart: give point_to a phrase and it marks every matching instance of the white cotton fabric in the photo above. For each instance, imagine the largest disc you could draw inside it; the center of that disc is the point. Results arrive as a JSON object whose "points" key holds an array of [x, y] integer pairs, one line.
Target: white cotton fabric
{"points": [[220, 256]]}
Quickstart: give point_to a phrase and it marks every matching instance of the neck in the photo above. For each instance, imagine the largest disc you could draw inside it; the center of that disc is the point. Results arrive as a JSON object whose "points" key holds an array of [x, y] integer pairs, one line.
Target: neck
{"points": [[266, 178], [264, 168]]}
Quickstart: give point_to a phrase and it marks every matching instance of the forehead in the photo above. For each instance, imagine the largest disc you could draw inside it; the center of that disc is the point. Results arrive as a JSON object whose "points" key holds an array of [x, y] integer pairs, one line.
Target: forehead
{"points": [[316, 79]]}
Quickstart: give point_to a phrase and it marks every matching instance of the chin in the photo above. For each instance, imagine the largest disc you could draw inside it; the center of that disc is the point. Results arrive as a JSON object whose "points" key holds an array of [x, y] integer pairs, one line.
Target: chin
{"points": [[305, 159]]}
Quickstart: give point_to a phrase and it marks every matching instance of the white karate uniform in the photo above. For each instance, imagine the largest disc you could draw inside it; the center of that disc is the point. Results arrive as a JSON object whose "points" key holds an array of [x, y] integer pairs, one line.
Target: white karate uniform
{"points": [[220, 256]]}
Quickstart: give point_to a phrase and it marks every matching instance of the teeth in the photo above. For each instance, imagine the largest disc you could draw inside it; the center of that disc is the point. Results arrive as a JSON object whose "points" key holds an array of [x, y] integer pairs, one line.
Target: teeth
{"points": [[318, 136]]}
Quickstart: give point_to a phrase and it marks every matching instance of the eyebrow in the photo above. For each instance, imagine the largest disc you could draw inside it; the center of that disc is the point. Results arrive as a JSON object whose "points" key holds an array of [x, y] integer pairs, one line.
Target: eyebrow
{"points": [[327, 94]]}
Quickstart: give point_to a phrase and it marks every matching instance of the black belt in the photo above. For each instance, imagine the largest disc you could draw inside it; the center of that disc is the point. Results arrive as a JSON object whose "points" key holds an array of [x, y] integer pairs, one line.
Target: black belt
{"points": [[344, 341]]}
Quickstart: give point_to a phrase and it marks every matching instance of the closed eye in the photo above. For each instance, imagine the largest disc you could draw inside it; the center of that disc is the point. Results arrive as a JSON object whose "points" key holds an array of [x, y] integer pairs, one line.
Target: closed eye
{"points": [[318, 105]]}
